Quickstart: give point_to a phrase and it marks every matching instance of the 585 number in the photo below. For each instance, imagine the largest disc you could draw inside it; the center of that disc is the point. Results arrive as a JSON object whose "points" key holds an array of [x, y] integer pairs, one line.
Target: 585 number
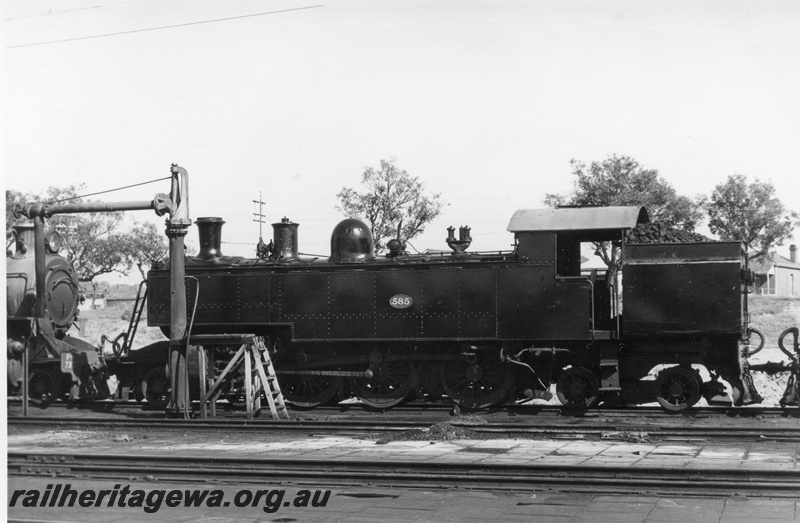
{"points": [[401, 301]]}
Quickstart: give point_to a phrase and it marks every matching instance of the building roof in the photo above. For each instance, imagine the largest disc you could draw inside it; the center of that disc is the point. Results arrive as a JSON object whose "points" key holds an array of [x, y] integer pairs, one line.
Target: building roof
{"points": [[577, 219], [763, 266], [783, 261]]}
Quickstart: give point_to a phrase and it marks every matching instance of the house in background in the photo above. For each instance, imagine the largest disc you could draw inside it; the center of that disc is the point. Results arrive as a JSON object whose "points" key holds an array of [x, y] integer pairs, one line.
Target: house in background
{"points": [[92, 301], [779, 276], [122, 301]]}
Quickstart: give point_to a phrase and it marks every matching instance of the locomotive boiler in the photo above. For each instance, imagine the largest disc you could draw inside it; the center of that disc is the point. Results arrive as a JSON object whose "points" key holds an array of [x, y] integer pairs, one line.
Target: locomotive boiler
{"points": [[481, 327]]}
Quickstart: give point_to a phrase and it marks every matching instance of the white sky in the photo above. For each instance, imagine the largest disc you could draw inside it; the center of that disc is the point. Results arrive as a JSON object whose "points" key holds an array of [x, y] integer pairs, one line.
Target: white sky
{"points": [[485, 101]]}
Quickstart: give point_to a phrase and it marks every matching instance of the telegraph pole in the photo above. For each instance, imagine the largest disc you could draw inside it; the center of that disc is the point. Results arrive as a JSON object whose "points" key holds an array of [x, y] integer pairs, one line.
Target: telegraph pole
{"points": [[259, 216], [262, 250]]}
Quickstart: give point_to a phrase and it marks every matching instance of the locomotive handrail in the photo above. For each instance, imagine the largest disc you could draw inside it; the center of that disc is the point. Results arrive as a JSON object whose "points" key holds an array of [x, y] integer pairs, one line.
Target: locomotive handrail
{"points": [[133, 325]]}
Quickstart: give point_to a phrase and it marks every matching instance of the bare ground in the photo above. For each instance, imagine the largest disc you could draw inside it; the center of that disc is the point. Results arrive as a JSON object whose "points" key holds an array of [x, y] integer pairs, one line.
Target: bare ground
{"points": [[111, 322], [772, 315]]}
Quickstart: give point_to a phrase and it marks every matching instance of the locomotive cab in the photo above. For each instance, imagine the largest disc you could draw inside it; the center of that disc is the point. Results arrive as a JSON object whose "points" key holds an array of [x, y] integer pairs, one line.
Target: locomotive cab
{"points": [[554, 237]]}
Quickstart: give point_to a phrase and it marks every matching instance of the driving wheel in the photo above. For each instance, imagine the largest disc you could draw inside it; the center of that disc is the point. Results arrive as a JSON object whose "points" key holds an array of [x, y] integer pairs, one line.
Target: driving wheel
{"points": [[578, 389], [677, 388], [478, 380]]}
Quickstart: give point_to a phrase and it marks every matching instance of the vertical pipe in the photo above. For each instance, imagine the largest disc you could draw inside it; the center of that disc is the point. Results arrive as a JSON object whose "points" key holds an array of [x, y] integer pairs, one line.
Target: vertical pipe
{"points": [[38, 253], [25, 366], [179, 397], [39, 305], [177, 226]]}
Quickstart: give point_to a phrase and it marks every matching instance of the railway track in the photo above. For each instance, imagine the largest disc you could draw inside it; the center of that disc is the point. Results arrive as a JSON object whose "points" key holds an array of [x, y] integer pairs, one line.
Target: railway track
{"points": [[392, 473], [107, 406], [529, 430]]}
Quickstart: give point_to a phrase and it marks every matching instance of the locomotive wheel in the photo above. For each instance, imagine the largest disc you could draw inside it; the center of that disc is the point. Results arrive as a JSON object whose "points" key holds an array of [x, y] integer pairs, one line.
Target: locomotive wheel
{"points": [[155, 387], [44, 385], [390, 384], [677, 389], [430, 380], [135, 389], [235, 396], [233, 390], [309, 391], [478, 380], [578, 388]]}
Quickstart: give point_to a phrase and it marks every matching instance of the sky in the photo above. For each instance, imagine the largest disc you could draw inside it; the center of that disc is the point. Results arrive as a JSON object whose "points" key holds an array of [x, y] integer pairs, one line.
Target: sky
{"points": [[486, 102]]}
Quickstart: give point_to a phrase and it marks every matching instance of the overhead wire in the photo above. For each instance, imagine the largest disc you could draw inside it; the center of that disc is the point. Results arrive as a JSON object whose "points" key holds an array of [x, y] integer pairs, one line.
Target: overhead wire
{"points": [[53, 13], [109, 190], [163, 27]]}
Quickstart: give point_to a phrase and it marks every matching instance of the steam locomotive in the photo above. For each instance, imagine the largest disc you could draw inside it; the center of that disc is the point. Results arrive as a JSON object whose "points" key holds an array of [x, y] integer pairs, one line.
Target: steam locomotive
{"points": [[482, 327], [60, 364]]}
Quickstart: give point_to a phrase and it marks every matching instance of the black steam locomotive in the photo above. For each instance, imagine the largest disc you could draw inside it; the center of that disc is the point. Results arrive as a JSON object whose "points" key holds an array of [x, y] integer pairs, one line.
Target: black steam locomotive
{"points": [[482, 327]]}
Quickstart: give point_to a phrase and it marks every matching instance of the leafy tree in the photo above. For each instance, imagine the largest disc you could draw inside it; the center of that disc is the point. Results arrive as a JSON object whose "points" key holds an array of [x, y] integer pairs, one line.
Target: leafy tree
{"points": [[91, 240], [147, 247], [391, 199], [621, 180], [751, 213]]}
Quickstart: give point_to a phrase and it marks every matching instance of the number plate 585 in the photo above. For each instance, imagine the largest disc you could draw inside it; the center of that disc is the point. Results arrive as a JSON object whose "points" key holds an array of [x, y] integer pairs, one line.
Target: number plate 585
{"points": [[401, 301]]}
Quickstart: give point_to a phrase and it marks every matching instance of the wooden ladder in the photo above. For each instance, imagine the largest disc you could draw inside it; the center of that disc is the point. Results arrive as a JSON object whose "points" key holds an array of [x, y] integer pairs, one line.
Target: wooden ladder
{"points": [[259, 374], [265, 380]]}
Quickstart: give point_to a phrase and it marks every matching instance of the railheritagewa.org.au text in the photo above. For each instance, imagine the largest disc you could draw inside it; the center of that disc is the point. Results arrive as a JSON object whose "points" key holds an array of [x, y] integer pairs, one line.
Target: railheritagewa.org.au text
{"points": [[152, 500]]}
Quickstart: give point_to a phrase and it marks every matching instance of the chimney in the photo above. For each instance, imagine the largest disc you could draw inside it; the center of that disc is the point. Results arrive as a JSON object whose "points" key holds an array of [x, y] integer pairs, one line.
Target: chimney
{"points": [[284, 235], [23, 234], [793, 253], [210, 232]]}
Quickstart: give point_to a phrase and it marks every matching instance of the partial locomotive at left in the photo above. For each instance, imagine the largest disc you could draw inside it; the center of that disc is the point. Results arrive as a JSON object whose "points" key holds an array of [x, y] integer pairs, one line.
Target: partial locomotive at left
{"points": [[59, 364]]}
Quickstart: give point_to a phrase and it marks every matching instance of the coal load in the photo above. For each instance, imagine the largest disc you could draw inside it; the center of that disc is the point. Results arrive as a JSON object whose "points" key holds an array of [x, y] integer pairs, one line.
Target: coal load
{"points": [[661, 233]]}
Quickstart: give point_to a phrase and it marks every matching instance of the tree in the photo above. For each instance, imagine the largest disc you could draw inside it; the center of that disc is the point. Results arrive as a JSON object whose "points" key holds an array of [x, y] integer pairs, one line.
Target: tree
{"points": [[621, 180], [147, 247], [91, 240], [750, 213], [391, 199]]}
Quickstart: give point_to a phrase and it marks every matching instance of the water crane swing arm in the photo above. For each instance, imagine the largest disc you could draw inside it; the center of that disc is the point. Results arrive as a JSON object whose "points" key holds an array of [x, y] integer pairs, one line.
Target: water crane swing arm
{"points": [[176, 205]]}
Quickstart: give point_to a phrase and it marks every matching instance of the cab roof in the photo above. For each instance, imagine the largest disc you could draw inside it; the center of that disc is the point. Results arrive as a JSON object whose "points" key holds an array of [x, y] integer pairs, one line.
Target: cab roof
{"points": [[577, 219]]}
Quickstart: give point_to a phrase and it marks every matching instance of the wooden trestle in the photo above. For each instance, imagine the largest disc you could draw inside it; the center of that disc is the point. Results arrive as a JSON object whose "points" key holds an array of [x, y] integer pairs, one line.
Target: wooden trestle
{"points": [[259, 374]]}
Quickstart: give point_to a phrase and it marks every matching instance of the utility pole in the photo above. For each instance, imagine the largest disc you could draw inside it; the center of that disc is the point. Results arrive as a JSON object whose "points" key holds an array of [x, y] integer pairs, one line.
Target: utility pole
{"points": [[259, 216], [262, 250]]}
